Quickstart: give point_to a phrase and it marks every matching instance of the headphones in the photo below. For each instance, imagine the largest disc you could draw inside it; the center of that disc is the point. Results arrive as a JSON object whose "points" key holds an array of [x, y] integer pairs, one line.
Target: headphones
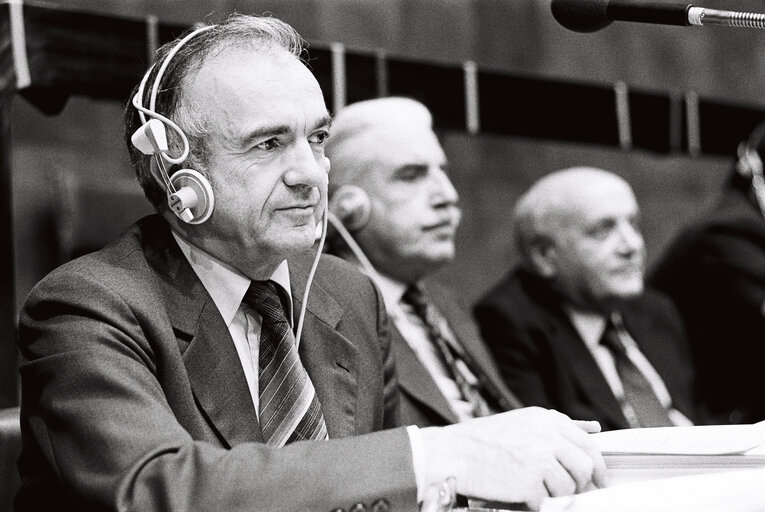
{"points": [[351, 206], [750, 165], [189, 194]]}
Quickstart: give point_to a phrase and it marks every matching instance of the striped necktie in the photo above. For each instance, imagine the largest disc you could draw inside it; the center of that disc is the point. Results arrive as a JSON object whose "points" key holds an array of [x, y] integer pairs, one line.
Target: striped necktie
{"points": [[289, 409], [455, 362]]}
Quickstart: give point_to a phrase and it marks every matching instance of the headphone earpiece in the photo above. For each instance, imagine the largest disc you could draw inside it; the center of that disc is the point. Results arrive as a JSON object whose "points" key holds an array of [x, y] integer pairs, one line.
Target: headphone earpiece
{"points": [[193, 200], [150, 138], [352, 206], [189, 194], [750, 165]]}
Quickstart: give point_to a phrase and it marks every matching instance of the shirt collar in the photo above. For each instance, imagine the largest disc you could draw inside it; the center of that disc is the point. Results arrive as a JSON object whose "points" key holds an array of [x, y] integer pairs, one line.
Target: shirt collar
{"points": [[225, 284], [590, 326], [392, 290]]}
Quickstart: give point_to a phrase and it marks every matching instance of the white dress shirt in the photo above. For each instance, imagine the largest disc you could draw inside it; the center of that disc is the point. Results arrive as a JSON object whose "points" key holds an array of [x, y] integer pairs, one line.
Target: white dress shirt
{"points": [[227, 287], [414, 331], [590, 327]]}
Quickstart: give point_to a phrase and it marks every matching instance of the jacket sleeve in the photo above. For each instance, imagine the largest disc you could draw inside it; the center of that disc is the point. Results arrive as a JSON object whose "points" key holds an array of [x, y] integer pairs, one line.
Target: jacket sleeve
{"points": [[518, 349], [100, 433], [392, 405]]}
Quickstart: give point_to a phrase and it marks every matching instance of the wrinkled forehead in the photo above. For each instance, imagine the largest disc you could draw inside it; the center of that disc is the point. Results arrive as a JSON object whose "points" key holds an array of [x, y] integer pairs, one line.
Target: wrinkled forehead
{"points": [[261, 71]]}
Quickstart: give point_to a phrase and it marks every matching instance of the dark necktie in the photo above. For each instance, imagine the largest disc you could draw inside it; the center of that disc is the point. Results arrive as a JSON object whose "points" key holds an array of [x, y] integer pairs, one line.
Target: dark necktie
{"points": [[288, 409], [435, 324], [648, 410]]}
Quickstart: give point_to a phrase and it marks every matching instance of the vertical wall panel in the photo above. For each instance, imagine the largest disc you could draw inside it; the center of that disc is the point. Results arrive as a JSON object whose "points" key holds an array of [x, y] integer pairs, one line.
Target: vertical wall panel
{"points": [[491, 169]]}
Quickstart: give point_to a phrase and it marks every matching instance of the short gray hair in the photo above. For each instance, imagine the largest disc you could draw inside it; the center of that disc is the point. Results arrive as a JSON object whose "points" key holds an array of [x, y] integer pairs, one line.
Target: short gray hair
{"points": [[537, 214], [237, 31], [352, 133]]}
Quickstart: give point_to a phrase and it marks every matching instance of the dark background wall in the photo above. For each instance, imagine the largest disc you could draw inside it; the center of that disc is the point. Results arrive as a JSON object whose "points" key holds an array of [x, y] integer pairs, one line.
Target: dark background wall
{"points": [[65, 165]]}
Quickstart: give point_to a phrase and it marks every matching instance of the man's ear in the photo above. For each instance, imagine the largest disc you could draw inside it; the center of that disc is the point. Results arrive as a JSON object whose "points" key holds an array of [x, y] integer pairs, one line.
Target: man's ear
{"points": [[543, 256]]}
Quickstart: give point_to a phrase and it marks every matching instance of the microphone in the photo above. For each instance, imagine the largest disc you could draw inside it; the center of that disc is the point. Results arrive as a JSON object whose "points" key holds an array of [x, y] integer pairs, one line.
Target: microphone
{"points": [[592, 15]]}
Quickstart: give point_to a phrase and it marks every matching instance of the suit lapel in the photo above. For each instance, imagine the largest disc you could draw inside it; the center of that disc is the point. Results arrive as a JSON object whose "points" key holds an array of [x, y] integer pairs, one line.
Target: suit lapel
{"points": [[218, 380], [211, 360], [330, 359], [587, 373], [470, 346], [415, 380]]}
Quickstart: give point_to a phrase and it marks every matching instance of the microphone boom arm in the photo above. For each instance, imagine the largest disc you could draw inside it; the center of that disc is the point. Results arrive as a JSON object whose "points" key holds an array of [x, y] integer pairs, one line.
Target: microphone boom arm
{"points": [[592, 15]]}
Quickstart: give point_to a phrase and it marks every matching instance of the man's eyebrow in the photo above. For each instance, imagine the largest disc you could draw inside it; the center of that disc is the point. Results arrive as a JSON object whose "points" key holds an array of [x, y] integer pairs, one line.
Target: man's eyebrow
{"points": [[410, 167], [324, 121], [262, 133], [271, 131]]}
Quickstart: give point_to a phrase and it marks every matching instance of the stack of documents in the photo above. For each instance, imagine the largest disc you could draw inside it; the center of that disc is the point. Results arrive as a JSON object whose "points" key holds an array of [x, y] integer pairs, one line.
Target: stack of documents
{"points": [[729, 491], [718, 468], [650, 453]]}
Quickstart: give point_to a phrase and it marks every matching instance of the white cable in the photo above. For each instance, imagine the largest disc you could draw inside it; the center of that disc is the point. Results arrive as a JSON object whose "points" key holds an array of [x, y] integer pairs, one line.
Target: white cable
{"points": [[138, 98], [164, 175], [299, 331], [177, 129], [355, 249], [394, 310], [166, 62]]}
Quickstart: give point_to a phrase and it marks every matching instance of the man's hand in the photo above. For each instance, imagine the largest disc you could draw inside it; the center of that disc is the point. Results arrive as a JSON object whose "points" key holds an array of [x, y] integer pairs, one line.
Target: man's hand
{"points": [[519, 456]]}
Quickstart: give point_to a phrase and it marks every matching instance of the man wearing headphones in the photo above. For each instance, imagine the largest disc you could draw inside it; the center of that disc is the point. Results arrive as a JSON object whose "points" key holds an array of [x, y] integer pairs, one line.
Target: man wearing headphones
{"points": [[390, 190], [715, 273], [184, 367]]}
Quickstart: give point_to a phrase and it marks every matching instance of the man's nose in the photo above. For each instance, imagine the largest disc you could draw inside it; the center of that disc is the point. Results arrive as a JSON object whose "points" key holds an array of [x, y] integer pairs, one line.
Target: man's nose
{"points": [[631, 239], [306, 167], [443, 192]]}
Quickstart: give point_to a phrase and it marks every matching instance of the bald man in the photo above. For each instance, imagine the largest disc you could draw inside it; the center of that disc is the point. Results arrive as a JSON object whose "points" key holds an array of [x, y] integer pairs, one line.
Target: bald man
{"points": [[572, 327], [389, 188]]}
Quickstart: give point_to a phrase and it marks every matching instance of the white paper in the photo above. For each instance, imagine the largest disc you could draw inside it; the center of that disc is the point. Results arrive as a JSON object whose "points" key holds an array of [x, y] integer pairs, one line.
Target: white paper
{"points": [[737, 491], [698, 440]]}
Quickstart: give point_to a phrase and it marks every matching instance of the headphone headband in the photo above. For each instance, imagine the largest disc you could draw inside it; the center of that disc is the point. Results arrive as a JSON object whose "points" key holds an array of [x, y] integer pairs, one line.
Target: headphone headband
{"points": [[194, 201], [143, 112]]}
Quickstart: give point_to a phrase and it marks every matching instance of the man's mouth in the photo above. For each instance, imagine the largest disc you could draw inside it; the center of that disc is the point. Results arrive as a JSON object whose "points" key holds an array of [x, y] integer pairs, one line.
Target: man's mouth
{"points": [[299, 207], [439, 225], [629, 269]]}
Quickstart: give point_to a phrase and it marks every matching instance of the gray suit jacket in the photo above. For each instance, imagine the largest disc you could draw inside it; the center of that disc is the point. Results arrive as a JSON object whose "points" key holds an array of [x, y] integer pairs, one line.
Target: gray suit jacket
{"points": [[134, 397], [422, 403]]}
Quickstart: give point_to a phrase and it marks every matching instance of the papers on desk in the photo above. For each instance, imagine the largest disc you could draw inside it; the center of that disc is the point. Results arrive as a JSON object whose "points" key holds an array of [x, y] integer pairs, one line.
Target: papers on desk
{"points": [[705, 468], [735, 491], [701, 440], [650, 453]]}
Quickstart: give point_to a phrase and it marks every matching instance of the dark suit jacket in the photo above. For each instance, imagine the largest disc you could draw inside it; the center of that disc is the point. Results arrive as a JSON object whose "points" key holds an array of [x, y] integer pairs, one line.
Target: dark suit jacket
{"points": [[422, 403], [134, 397], [545, 362], [715, 273]]}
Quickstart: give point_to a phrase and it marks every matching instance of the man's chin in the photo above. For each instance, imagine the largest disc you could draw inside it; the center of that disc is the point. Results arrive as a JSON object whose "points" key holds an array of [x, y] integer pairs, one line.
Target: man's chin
{"points": [[439, 258], [631, 291], [298, 241], [623, 296]]}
